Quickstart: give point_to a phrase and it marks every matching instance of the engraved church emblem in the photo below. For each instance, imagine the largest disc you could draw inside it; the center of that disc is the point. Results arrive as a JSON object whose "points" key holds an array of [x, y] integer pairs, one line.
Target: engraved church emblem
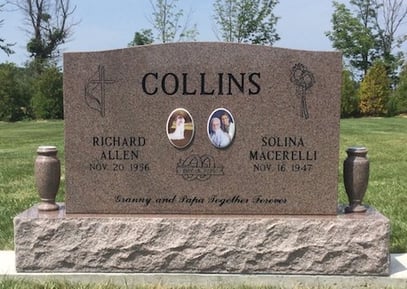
{"points": [[303, 79], [197, 167], [95, 90]]}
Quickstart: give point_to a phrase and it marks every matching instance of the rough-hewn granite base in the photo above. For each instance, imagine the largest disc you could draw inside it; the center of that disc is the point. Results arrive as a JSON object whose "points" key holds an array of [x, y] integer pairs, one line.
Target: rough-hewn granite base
{"points": [[356, 244]]}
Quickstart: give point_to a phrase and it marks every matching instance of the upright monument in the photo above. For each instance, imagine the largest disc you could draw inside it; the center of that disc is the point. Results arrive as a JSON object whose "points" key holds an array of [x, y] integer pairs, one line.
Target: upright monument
{"points": [[204, 157], [281, 159]]}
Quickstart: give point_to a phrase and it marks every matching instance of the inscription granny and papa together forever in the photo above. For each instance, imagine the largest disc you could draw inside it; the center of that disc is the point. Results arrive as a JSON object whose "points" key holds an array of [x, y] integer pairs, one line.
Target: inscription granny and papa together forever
{"points": [[278, 155]]}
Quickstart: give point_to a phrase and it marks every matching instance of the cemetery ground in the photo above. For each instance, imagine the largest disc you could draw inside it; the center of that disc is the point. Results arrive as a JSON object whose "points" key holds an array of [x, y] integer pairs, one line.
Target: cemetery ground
{"points": [[385, 138], [52, 284]]}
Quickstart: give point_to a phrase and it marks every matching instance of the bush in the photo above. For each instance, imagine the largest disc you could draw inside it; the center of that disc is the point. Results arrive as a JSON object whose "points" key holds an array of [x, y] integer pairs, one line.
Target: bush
{"points": [[375, 91], [47, 99], [349, 97], [399, 99], [14, 93]]}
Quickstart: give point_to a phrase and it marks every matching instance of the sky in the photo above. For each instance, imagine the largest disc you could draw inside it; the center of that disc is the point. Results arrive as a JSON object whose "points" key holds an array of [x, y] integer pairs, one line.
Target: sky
{"points": [[107, 24]]}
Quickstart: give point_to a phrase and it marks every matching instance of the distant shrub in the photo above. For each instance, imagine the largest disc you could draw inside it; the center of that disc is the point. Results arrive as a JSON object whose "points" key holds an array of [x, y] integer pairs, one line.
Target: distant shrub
{"points": [[399, 98], [47, 100], [349, 96], [14, 93], [375, 91]]}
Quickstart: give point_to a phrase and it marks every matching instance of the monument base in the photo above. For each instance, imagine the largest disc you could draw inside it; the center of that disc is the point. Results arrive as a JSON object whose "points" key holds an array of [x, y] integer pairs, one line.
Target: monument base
{"points": [[345, 244]]}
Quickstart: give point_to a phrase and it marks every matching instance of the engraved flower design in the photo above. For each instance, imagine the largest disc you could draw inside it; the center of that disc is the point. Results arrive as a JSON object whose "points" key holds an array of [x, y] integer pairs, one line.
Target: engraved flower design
{"points": [[303, 80]]}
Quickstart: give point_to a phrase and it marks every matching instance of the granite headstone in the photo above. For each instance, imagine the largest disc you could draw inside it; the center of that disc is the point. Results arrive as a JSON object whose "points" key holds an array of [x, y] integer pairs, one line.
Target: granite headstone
{"points": [[240, 133], [202, 128]]}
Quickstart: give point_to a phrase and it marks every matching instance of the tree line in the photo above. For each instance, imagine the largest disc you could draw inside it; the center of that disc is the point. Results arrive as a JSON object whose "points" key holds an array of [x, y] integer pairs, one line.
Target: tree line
{"points": [[368, 32], [370, 35], [35, 90]]}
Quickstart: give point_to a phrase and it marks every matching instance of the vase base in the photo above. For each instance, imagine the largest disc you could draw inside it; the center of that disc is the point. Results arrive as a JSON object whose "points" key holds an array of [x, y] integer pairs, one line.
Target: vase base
{"points": [[356, 209], [48, 206]]}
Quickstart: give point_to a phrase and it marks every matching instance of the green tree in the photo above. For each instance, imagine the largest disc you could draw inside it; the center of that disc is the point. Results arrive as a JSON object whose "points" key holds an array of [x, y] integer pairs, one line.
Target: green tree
{"points": [[246, 21], [375, 91], [169, 22], [399, 99], [349, 95], [47, 98], [391, 16], [14, 93], [369, 30], [48, 24], [353, 36], [145, 36]]}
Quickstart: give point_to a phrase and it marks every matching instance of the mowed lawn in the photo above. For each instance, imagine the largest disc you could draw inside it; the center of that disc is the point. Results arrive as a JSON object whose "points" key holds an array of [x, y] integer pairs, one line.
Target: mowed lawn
{"points": [[386, 139], [18, 145]]}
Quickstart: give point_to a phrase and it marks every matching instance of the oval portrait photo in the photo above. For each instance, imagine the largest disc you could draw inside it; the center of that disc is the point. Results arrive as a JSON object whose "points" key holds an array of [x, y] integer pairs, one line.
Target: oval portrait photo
{"points": [[180, 128], [221, 128]]}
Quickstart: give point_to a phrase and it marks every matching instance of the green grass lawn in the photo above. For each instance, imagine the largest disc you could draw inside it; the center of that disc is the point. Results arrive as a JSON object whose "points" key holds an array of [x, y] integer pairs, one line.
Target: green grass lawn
{"points": [[386, 139], [7, 283], [55, 284], [18, 145]]}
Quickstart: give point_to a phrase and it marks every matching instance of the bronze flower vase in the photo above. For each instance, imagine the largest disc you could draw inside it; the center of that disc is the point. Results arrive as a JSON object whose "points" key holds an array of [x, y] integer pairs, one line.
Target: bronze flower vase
{"points": [[47, 177], [356, 178]]}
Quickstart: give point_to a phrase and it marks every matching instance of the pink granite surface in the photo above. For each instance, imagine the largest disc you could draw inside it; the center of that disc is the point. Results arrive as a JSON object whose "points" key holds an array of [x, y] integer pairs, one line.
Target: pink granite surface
{"points": [[283, 158]]}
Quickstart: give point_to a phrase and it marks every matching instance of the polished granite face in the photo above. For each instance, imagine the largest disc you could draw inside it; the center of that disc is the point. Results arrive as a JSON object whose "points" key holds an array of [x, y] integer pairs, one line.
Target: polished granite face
{"points": [[202, 128]]}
